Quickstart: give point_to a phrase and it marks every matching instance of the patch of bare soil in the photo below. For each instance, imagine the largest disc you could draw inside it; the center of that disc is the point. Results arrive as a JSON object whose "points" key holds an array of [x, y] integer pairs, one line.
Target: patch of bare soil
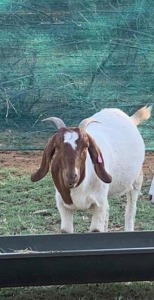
{"points": [[24, 162], [148, 167], [29, 161]]}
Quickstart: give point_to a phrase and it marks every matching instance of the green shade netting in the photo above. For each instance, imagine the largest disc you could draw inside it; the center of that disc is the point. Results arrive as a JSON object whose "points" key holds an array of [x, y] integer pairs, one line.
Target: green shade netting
{"points": [[70, 59]]}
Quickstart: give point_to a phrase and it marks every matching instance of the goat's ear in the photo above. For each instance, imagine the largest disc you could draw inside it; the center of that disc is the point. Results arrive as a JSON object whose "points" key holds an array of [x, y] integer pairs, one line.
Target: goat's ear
{"points": [[97, 159], [46, 159]]}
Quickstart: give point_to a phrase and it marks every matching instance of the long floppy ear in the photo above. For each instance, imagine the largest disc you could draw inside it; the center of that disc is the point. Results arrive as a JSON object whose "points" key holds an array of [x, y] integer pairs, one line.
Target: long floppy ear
{"points": [[46, 159], [97, 159]]}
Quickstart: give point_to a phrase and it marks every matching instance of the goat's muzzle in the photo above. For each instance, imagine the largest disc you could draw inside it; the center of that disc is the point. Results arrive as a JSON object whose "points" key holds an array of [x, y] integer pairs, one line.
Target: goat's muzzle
{"points": [[71, 179]]}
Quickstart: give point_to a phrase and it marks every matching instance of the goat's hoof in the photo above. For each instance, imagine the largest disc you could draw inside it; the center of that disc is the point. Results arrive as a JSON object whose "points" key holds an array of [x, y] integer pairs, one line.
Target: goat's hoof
{"points": [[95, 230]]}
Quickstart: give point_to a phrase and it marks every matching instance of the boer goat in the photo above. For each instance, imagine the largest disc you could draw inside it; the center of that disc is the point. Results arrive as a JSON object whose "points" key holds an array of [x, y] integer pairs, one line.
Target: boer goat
{"points": [[101, 157]]}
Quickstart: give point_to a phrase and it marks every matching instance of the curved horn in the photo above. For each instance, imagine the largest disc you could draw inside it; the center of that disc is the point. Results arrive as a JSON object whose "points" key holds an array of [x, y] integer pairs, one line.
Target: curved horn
{"points": [[57, 121], [84, 123]]}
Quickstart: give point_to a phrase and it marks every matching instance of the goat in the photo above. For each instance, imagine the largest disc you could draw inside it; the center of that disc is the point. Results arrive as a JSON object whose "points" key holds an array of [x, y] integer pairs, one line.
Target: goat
{"points": [[101, 157], [151, 191]]}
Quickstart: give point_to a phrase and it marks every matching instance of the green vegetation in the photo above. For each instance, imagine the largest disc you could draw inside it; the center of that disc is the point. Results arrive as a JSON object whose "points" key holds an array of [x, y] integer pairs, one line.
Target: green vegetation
{"points": [[123, 291], [28, 208]]}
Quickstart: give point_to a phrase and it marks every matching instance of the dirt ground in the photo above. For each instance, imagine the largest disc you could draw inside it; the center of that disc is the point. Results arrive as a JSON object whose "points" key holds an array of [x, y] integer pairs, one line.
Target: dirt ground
{"points": [[29, 161], [23, 161]]}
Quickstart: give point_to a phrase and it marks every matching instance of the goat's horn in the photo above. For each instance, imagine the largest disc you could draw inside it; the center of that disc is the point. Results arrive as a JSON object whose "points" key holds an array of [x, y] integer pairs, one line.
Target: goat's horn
{"points": [[57, 121], [84, 123]]}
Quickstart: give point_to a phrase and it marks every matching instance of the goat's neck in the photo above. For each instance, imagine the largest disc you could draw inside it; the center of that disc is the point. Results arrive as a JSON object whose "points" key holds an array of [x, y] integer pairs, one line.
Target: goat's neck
{"points": [[65, 194], [82, 176]]}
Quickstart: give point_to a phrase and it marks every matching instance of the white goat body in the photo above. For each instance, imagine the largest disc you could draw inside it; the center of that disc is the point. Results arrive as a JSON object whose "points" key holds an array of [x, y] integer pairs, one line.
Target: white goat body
{"points": [[83, 163], [123, 152]]}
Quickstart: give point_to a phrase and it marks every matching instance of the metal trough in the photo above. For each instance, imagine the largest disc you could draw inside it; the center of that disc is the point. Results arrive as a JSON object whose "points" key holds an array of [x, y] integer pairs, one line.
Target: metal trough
{"points": [[76, 258]]}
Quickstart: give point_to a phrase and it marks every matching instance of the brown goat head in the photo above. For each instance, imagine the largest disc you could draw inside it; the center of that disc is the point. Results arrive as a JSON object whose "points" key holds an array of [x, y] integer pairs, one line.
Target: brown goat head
{"points": [[66, 151]]}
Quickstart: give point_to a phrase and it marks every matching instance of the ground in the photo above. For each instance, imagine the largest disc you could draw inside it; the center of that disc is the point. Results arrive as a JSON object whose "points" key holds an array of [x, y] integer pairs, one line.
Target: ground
{"points": [[27, 162]]}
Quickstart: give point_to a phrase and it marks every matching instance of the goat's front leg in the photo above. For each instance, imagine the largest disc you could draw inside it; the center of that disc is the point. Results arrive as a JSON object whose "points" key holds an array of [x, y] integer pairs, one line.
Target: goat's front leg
{"points": [[132, 197], [66, 215], [99, 222]]}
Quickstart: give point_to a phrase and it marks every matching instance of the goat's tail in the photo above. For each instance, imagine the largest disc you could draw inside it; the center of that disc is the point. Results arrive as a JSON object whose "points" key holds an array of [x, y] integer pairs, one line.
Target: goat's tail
{"points": [[142, 114]]}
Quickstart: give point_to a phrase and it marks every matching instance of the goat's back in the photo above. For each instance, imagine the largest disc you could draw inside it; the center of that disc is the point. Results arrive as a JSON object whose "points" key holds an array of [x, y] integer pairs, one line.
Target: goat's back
{"points": [[122, 147]]}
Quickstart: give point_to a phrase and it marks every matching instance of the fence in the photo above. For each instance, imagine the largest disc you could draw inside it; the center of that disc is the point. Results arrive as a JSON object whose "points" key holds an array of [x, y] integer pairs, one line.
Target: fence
{"points": [[69, 59]]}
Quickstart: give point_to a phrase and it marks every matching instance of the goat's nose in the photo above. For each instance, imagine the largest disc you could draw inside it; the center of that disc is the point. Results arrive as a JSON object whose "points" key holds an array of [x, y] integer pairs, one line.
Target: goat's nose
{"points": [[74, 176], [72, 179]]}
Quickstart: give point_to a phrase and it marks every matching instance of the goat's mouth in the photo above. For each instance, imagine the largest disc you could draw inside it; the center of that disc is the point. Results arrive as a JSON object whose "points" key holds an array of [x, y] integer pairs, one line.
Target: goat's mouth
{"points": [[71, 179], [71, 185]]}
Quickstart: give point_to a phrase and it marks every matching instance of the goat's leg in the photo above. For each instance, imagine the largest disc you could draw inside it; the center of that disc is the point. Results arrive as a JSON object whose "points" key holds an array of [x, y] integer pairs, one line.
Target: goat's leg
{"points": [[66, 215], [132, 197], [99, 222]]}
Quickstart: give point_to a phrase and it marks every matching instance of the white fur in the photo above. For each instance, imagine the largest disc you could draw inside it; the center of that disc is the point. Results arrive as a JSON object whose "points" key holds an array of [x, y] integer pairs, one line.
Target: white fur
{"points": [[70, 138], [123, 151], [151, 191]]}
